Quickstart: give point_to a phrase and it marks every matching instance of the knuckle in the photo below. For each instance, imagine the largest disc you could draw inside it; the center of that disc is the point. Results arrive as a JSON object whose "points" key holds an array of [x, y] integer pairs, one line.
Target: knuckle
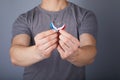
{"points": [[66, 40], [49, 43], [69, 53], [49, 39], [35, 38], [64, 57], [62, 44], [38, 43], [53, 47], [69, 37], [40, 48], [52, 42], [35, 42], [55, 39], [41, 35], [47, 55], [54, 36], [38, 36]]}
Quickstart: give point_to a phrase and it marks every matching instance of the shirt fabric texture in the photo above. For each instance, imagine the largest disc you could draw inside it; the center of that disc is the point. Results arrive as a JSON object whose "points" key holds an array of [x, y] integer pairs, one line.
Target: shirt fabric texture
{"points": [[78, 21]]}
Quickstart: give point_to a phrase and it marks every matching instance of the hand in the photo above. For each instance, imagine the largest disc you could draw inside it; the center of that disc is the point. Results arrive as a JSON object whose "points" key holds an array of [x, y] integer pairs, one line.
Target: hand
{"points": [[68, 45], [46, 42]]}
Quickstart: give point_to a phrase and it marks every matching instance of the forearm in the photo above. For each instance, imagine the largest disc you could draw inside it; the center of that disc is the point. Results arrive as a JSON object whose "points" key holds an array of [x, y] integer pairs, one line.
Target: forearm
{"points": [[24, 56], [84, 56]]}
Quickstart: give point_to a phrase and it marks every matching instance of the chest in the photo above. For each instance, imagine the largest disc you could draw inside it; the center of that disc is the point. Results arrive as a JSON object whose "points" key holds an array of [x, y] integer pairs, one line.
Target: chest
{"points": [[42, 23]]}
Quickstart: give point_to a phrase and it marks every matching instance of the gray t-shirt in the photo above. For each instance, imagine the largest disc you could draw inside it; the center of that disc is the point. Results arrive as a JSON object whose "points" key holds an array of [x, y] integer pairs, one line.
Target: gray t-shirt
{"points": [[78, 20]]}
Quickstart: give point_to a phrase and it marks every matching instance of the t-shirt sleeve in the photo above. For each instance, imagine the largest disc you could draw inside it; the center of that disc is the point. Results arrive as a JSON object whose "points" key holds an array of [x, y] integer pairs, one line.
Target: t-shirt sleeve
{"points": [[89, 24], [20, 26]]}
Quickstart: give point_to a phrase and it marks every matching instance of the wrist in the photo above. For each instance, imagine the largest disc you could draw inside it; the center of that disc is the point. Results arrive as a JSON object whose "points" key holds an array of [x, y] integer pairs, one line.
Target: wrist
{"points": [[37, 54], [75, 58]]}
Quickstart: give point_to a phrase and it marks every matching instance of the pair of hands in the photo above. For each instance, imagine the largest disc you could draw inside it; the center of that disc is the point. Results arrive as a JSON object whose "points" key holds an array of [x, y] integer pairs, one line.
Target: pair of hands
{"points": [[66, 44]]}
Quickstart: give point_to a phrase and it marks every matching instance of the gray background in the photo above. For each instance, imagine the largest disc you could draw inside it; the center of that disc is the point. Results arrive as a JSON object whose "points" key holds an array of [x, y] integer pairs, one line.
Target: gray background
{"points": [[106, 66]]}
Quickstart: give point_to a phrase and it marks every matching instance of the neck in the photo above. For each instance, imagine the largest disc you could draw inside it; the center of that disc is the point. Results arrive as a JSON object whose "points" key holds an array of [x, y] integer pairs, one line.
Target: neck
{"points": [[53, 5]]}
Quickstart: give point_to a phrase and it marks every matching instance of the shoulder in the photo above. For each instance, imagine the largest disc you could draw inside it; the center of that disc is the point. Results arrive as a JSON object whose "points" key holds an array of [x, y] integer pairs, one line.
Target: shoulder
{"points": [[80, 11], [28, 16]]}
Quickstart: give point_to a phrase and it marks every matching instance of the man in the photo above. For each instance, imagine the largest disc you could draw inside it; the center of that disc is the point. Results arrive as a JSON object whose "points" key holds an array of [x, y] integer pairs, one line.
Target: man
{"points": [[54, 55]]}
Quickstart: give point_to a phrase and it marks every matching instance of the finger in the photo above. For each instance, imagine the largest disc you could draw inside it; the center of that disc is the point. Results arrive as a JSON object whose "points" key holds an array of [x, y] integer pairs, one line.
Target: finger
{"points": [[71, 46], [48, 51], [50, 43], [51, 48], [62, 53], [46, 39], [68, 50], [69, 36], [66, 41], [63, 45], [44, 34]]}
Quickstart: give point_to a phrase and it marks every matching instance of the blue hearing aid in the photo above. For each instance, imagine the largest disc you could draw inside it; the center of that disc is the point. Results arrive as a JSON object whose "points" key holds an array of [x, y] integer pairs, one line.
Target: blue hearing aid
{"points": [[52, 26]]}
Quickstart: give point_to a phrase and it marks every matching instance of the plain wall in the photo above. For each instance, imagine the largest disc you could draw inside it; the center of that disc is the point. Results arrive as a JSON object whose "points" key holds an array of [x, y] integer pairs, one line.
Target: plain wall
{"points": [[106, 65]]}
